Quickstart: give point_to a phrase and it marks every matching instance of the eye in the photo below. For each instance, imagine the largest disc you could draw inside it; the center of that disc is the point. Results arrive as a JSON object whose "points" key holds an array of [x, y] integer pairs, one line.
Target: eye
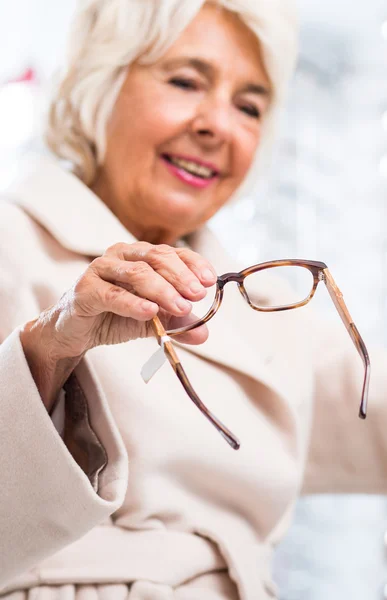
{"points": [[185, 84], [251, 110]]}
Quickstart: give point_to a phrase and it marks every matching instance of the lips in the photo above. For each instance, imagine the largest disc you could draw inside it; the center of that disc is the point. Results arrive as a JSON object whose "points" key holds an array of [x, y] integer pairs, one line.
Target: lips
{"points": [[193, 162], [192, 172]]}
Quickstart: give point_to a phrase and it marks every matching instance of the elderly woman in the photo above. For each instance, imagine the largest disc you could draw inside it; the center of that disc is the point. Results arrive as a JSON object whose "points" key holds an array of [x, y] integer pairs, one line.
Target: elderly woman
{"points": [[114, 489]]}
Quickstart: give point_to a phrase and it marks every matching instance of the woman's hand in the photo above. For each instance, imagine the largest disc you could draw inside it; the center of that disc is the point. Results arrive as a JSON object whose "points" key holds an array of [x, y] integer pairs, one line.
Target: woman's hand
{"points": [[113, 302], [118, 294]]}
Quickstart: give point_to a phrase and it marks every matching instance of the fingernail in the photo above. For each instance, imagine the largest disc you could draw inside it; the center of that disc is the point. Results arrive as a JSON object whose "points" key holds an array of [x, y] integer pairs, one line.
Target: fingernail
{"points": [[182, 304], [208, 275], [195, 287]]}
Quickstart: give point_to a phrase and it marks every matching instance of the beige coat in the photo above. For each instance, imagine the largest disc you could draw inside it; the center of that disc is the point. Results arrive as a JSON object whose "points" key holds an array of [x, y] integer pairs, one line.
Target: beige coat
{"points": [[164, 509]]}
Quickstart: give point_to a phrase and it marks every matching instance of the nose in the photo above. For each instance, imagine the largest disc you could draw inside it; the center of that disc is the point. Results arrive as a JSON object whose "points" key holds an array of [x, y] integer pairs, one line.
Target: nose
{"points": [[212, 123]]}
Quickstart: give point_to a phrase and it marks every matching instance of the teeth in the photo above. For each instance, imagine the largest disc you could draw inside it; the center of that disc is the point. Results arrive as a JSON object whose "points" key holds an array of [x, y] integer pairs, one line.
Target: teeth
{"points": [[192, 167]]}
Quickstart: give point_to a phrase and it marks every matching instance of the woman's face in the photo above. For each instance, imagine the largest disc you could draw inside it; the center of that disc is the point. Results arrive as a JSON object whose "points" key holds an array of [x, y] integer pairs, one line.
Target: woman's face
{"points": [[185, 129]]}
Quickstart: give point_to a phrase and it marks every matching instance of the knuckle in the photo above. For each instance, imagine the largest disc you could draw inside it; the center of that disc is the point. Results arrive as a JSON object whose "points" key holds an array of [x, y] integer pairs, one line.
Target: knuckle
{"points": [[139, 269], [183, 276], [112, 293], [119, 271], [97, 263], [161, 251], [188, 253], [115, 248], [80, 285], [138, 250], [142, 247]]}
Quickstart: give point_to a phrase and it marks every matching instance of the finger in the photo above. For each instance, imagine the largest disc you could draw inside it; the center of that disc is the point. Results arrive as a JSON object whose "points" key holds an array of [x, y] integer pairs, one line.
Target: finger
{"points": [[124, 251], [92, 300], [202, 268], [143, 281], [193, 337], [165, 260]]}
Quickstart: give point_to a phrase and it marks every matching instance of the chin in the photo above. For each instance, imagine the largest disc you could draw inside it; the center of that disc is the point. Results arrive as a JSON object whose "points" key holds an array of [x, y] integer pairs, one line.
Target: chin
{"points": [[182, 210]]}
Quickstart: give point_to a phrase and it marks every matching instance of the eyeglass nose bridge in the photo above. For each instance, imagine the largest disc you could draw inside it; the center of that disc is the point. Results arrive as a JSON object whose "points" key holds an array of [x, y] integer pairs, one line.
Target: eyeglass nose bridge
{"points": [[227, 277], [238, 278]]}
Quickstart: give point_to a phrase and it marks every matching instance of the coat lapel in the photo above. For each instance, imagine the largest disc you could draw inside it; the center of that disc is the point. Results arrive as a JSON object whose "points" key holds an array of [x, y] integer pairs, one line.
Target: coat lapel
{"points": [[240, 338], [68, 209]]}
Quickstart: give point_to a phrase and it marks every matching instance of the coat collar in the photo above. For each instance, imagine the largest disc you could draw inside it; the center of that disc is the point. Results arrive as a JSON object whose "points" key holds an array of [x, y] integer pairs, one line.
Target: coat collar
{"points": [[67, 208], [77, 217], [82, 223]]}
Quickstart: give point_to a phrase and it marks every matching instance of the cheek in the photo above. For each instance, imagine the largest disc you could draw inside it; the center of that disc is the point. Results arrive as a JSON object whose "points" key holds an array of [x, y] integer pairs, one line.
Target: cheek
{"points": [[160, 119]]}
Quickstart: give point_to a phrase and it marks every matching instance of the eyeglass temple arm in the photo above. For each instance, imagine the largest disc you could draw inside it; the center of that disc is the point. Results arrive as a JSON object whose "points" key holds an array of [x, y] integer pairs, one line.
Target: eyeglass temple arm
{"points": [[338, 300], [170, 352]]}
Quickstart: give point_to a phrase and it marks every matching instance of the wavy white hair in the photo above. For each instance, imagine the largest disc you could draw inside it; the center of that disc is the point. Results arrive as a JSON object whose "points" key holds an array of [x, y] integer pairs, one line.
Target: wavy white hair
{"points": [[108, 35]]}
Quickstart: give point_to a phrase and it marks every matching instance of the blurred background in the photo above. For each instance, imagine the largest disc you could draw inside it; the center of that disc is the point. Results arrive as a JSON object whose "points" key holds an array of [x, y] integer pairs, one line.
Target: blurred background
{"points": [[325, 199]]}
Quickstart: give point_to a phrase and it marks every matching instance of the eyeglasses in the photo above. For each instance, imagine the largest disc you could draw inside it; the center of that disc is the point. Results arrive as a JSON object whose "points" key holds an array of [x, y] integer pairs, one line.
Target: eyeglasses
{"points": [[306, 274]]}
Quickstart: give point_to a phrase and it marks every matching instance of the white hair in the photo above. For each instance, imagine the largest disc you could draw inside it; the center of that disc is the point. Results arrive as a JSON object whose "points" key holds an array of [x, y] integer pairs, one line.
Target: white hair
{"points": [[108, 35]]}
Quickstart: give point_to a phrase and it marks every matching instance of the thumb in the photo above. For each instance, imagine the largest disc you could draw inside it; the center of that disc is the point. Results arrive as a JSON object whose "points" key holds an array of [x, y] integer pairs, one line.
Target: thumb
{"points": [[194, 337]]}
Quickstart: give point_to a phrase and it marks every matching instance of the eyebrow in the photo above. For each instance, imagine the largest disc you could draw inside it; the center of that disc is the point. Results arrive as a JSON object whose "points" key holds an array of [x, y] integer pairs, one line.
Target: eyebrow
{"points": [[207, 69]]}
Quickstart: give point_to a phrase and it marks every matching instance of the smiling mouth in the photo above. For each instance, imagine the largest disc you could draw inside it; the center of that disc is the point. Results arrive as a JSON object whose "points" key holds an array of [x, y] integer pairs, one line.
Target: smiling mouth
{"points": [[191, 167]]}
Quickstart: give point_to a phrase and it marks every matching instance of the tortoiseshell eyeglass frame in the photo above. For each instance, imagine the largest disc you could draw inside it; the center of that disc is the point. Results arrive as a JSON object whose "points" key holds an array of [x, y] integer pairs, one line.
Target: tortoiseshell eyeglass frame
{"points": [[320, 272]]}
